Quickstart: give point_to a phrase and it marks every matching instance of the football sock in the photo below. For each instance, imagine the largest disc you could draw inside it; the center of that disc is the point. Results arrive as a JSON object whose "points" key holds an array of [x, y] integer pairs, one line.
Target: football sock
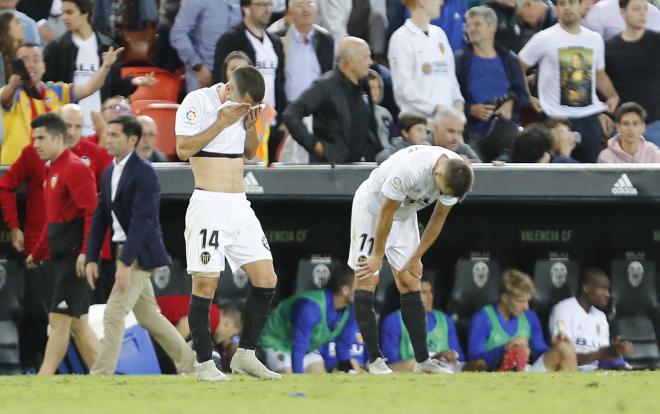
{"points": [[255, 316], [200, 330], [414, 318], [366, 319]]}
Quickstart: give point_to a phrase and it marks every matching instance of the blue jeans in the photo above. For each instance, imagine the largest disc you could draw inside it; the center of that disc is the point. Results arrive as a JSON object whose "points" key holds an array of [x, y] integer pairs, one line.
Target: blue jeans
{"points": [[652, 133]]}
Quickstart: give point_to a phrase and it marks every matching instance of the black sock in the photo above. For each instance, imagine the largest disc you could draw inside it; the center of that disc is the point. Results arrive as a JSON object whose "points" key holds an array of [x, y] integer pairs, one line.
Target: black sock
{"points": [[414, 318], [366, 319], [255, 316], [200, 329]]}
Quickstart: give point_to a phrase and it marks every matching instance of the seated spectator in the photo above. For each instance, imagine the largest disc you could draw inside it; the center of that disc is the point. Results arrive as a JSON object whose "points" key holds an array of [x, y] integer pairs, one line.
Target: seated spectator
{"points": [[303, 323], [533, 145], [632, 60], [195, 33], [147, 146], [491, 79], [75, 57], [441, 338], [383, 116], [413, 130], [562, 138], [534, 16], [448, 127], [605, 18], [629, 146], [586, 326], [507, 335], [112, 16], [20, 108], [422, 64], [29, 25], [344, 123]]}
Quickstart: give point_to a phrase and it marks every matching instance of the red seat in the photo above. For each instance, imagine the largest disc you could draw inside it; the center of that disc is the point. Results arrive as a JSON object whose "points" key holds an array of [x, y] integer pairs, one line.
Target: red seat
{"points": [[164, 113], [167, 88]]}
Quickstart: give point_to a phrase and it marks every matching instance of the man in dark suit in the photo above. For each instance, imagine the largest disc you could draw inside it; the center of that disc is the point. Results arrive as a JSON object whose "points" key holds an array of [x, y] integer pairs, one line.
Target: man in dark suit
{"points": [[344, 123], [128, 203]]}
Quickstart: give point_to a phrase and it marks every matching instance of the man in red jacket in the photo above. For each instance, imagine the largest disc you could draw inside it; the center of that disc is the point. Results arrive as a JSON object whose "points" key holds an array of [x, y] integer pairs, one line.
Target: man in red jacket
{"points": [[69, 198]]}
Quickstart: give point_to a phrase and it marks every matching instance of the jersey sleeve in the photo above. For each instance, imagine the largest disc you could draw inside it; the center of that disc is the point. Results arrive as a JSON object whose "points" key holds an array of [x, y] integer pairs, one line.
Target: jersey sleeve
{"points": [[83, 193], [305, 315], [454, 343], [533, 51], [537, 343], [189, 116], [560, 313], [599, 52], [9, 183]]}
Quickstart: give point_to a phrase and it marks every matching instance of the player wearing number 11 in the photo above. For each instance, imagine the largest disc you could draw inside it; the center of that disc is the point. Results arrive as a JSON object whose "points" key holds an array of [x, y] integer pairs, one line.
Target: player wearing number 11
{"points": [[215, 129], [384, 222]]}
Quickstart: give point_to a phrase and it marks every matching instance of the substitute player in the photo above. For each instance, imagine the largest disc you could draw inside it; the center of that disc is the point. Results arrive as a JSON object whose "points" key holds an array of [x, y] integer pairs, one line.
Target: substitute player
{"points": [[70, 199], [384, 222], [215, 129]]}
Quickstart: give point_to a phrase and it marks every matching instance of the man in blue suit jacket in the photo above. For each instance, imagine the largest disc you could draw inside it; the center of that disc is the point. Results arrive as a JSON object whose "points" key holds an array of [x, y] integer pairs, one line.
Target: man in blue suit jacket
{"points": [[128, 203]]}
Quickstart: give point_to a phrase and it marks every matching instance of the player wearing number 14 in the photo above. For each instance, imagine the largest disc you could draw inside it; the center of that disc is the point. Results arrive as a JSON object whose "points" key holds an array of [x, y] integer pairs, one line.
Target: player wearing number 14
{"points": [[215, 129], [384, 222]]}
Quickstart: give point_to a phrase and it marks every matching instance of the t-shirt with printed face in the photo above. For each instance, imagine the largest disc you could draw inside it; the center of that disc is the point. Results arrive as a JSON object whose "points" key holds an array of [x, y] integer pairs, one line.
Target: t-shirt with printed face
{"points": [[87, 63], [567, 70], [407, 176]]}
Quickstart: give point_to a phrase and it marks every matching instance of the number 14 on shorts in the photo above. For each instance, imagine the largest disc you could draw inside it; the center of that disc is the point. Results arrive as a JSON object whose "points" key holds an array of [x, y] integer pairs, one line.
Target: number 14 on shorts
{"points": [[212, 241]]}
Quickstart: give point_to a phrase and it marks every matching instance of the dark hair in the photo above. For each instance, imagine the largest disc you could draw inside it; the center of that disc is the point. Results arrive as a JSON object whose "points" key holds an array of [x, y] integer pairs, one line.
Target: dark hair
{"points": [[53, 123], [630, 107], [27, 44], [129, 125], [552, 123], [531, 144], [246, 3], [623, 4], [590, 274], [85, 7], [409, 120], [248, 80], [459, 177], [236, 54], [232, 311], [342, 276], [6, 43]]}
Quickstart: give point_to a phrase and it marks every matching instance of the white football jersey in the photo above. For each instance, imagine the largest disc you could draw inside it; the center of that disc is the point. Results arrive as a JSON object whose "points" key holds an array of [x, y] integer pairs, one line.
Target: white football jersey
{"points": [[587, 331], [199, 110], [407, 176]]}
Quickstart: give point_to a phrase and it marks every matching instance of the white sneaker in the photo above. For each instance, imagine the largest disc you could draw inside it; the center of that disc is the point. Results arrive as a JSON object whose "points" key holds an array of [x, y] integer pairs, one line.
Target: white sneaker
{"points": [[379, 367], [207, 371], [245, 362], [430, 367]]}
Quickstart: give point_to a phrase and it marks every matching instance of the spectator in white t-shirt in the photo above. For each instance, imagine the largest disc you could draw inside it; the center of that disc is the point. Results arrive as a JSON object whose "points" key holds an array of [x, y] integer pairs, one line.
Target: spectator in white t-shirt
{"points": [[605, 18], [422, 63], [571, 68], [579, 319]]}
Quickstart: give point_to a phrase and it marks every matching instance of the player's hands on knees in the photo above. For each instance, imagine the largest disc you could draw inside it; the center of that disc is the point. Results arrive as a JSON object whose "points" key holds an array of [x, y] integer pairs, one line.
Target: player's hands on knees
{"points": [[91, 272], [369, 267], [414, 267], [80, 265], [123, 276], [30, 263], [232, 113]]}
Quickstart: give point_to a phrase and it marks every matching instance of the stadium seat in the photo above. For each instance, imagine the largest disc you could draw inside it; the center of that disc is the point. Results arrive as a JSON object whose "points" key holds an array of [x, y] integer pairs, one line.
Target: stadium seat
{"points": [[171, 280], [633, 287], [9, 349], [554, 280], [640, 331], [164, 113], [233, 287], [476, 283], [314, 272], [167, 88]]}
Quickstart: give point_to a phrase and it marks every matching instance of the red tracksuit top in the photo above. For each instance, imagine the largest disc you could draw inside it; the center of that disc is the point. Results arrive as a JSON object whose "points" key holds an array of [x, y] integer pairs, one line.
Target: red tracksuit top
{"points": [[69, 193], [31, 169]]}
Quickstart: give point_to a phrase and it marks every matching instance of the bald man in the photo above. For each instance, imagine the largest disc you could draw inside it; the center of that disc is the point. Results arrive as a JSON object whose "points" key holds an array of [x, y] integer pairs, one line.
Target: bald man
{"points": [[146, 148], [344, 128]]}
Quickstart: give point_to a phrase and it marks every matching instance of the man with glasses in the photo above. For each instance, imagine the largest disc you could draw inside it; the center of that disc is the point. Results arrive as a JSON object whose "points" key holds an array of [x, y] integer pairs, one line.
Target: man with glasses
{"points": [[26, 97], [146, 147]]}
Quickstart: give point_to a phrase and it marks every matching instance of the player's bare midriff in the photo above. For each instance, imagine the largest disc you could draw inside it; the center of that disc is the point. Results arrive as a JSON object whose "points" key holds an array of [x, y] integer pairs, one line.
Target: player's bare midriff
{"points": [[222, 175]]}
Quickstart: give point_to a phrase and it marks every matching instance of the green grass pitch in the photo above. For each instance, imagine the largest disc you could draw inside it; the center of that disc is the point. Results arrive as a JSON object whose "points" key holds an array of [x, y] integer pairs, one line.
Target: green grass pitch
{"points": [[564, 393]]}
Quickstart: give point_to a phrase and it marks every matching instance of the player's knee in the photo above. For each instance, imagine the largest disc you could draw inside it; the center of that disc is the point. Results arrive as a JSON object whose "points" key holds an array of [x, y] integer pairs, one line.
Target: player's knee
{"points": [[566, 350], [408, 283], [367, 283]]}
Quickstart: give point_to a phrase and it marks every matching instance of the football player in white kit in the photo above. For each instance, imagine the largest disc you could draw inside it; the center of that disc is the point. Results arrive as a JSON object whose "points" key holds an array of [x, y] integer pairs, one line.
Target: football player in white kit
{"points": [[384, 222], [587, 328], [215, 129]]}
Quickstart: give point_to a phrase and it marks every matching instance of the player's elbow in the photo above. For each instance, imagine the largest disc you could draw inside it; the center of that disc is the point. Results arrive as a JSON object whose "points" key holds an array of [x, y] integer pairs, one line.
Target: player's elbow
{"points": [[250, 153], [182, 152]]}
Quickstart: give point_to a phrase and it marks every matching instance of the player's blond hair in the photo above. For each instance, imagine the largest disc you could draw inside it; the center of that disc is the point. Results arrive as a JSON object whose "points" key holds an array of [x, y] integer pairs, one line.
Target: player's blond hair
{"points": [[515, 282]]}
